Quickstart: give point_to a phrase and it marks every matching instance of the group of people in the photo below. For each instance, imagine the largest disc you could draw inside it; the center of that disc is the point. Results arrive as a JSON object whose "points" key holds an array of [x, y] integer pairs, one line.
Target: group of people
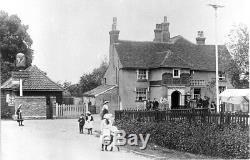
{"points": [[107, 128], [152, 105], [86, 122]]}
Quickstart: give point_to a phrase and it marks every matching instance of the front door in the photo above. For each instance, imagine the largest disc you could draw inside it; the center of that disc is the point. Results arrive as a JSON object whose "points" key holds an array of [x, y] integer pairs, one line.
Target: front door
{"points": [[49, 109], [175, 100]]}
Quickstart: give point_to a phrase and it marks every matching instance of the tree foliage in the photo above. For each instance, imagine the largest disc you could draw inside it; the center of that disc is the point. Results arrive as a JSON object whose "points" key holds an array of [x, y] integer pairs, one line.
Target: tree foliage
{"points": [[94, 79], [238, 46], [14, 39], [87, 81]]}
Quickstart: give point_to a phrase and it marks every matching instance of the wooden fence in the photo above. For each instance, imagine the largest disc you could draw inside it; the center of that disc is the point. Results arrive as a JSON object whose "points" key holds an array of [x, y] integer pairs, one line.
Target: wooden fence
{"points": [[69, 111], [190, 115]]}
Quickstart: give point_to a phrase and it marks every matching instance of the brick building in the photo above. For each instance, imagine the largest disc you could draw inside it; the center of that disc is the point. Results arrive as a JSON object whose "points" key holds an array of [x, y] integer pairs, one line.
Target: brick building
{"points": [[169, 68], [39, 94]]}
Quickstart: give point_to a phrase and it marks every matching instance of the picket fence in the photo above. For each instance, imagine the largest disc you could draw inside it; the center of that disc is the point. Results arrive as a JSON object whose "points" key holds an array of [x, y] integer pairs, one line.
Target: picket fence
{"points": [[69, 111], [190, 115]]}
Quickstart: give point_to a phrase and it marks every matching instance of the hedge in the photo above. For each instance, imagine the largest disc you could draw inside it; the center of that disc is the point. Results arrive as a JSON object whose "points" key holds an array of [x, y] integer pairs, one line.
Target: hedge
{"points": [[229, 141]]}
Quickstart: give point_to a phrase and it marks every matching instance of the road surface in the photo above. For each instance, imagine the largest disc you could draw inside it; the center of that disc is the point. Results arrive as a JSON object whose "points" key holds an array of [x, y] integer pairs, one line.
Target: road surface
{"points": [[53, 140]]}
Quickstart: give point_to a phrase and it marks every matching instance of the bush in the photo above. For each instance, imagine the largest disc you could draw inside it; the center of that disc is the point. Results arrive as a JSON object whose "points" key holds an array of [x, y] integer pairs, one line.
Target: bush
{"points": [[229, 141]]}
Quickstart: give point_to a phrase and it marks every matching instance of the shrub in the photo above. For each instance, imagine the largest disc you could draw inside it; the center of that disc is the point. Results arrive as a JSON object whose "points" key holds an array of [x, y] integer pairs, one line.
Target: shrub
{"points": [[229, 141]]}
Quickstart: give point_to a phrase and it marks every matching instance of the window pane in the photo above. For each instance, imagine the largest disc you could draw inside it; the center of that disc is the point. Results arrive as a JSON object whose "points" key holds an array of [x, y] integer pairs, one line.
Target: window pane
{"points": [[141, 94], [142, 74]]}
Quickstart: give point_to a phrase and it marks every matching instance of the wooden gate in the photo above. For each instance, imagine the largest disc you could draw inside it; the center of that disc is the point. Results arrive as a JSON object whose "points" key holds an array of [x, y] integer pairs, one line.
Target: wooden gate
{"points": [[69, 111]]}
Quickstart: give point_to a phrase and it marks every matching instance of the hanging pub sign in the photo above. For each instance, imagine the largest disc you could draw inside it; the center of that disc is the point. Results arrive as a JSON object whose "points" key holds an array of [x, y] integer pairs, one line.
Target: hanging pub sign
{"points": [[20, 60]]}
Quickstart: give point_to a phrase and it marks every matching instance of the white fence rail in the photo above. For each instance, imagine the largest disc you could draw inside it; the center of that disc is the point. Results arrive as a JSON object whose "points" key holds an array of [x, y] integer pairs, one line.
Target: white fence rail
{"points": [[69, 111]]}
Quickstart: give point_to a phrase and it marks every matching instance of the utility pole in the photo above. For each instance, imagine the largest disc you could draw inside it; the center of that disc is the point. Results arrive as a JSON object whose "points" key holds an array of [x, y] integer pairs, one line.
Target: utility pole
{"points": [[215, 6]]}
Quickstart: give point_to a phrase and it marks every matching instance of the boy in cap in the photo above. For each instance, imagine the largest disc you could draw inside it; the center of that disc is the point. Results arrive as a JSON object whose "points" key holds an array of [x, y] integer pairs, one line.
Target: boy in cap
{"points": [[81, 121]]}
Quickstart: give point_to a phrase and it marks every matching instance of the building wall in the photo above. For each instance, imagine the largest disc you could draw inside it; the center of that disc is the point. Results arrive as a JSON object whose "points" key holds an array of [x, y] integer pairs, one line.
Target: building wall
{"points": [[32, 106], [156, 74], [111, 74], [57, 94], [110, 96], [128, 82], [127, 88], [7, 109]]}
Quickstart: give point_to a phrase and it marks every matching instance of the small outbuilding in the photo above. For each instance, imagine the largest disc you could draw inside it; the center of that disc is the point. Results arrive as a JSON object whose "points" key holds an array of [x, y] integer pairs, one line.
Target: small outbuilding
{"points": [[38, 94], [94, 98], [235, 100]]}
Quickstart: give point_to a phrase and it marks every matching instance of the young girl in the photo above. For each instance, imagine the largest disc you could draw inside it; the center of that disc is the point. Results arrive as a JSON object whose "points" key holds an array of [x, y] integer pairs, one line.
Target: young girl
{"points": [[19, 115], [105, 132], [89, 122]]}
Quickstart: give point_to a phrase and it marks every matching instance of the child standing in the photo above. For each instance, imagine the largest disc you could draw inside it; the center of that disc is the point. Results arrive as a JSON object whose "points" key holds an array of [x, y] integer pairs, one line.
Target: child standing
{"points": [[89, 122], [81, 121]]}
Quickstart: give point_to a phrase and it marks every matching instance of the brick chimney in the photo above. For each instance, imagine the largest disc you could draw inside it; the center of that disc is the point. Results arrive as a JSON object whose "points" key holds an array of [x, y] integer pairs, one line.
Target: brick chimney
{"points": [[114, 37], [200, 39], [162, 33], [114, 34]]}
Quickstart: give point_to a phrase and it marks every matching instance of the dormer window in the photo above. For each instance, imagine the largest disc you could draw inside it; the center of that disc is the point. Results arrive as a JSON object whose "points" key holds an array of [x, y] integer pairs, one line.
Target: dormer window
{"points": [[142, 74], [176, 73]]}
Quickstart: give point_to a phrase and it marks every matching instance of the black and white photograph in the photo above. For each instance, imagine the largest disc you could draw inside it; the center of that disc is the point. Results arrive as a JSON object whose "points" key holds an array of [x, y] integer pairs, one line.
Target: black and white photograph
{"points": [[124, 79]]}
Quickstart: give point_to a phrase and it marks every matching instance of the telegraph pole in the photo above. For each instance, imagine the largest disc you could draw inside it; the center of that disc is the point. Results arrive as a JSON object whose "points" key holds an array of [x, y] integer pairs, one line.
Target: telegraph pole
{"points": [[215, 6]]}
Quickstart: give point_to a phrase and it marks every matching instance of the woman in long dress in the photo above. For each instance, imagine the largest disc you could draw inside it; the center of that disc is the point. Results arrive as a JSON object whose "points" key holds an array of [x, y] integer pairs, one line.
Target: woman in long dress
{"points": [[19, 115], [89, 122]]}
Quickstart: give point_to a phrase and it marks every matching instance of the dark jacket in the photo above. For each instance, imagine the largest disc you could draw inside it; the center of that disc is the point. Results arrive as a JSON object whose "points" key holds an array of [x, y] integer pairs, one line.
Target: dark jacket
{"points": [[81, 121], [19, 115], [91, 118]]}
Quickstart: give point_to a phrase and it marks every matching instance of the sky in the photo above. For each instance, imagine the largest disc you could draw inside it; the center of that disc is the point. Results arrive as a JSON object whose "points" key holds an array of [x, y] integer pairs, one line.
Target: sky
{"points": [[71, 37]]}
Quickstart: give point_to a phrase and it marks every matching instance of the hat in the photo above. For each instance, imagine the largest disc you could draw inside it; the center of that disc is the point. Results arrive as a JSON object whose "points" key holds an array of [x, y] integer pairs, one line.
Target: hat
{"points": [[105, 102], [88, 112]]}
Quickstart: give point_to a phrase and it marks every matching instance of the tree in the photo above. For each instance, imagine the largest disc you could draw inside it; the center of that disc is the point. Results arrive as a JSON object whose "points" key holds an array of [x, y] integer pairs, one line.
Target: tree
{"points": [[94, 79], [238, 45], [13, 39]]}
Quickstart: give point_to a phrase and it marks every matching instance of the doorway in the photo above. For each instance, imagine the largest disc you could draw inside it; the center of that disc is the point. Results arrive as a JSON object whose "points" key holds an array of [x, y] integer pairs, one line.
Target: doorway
{"points": [[175, 100], [49, 109]]}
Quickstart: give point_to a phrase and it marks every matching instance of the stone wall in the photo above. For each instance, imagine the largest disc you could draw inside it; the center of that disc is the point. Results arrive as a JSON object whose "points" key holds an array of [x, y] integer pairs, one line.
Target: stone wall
{"points": [[32, 107]]}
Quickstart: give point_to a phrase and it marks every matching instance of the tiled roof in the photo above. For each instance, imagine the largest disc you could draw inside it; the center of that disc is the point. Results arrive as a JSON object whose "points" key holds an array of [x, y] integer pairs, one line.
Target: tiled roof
{"points": [[134, 54], [37, 80], [99, 90]]}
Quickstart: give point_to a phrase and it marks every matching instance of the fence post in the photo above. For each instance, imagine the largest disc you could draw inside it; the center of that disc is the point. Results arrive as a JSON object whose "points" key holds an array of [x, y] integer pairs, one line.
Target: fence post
{"points": [[56, 110]]}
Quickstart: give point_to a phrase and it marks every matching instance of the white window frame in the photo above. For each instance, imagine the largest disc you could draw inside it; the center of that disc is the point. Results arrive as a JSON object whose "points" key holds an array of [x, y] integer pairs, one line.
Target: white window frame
{"points": [[142, 76], [139, 93], [179, 73]]}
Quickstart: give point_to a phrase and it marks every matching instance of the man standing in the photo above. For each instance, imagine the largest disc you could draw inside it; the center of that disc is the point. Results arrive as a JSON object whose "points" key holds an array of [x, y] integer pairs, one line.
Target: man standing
{"points": [[155, 104]]}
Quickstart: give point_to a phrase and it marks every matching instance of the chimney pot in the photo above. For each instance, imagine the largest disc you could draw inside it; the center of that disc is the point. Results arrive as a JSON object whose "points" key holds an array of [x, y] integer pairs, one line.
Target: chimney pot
{"points": [[114, 24], [165, 19], [200, 39]]}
